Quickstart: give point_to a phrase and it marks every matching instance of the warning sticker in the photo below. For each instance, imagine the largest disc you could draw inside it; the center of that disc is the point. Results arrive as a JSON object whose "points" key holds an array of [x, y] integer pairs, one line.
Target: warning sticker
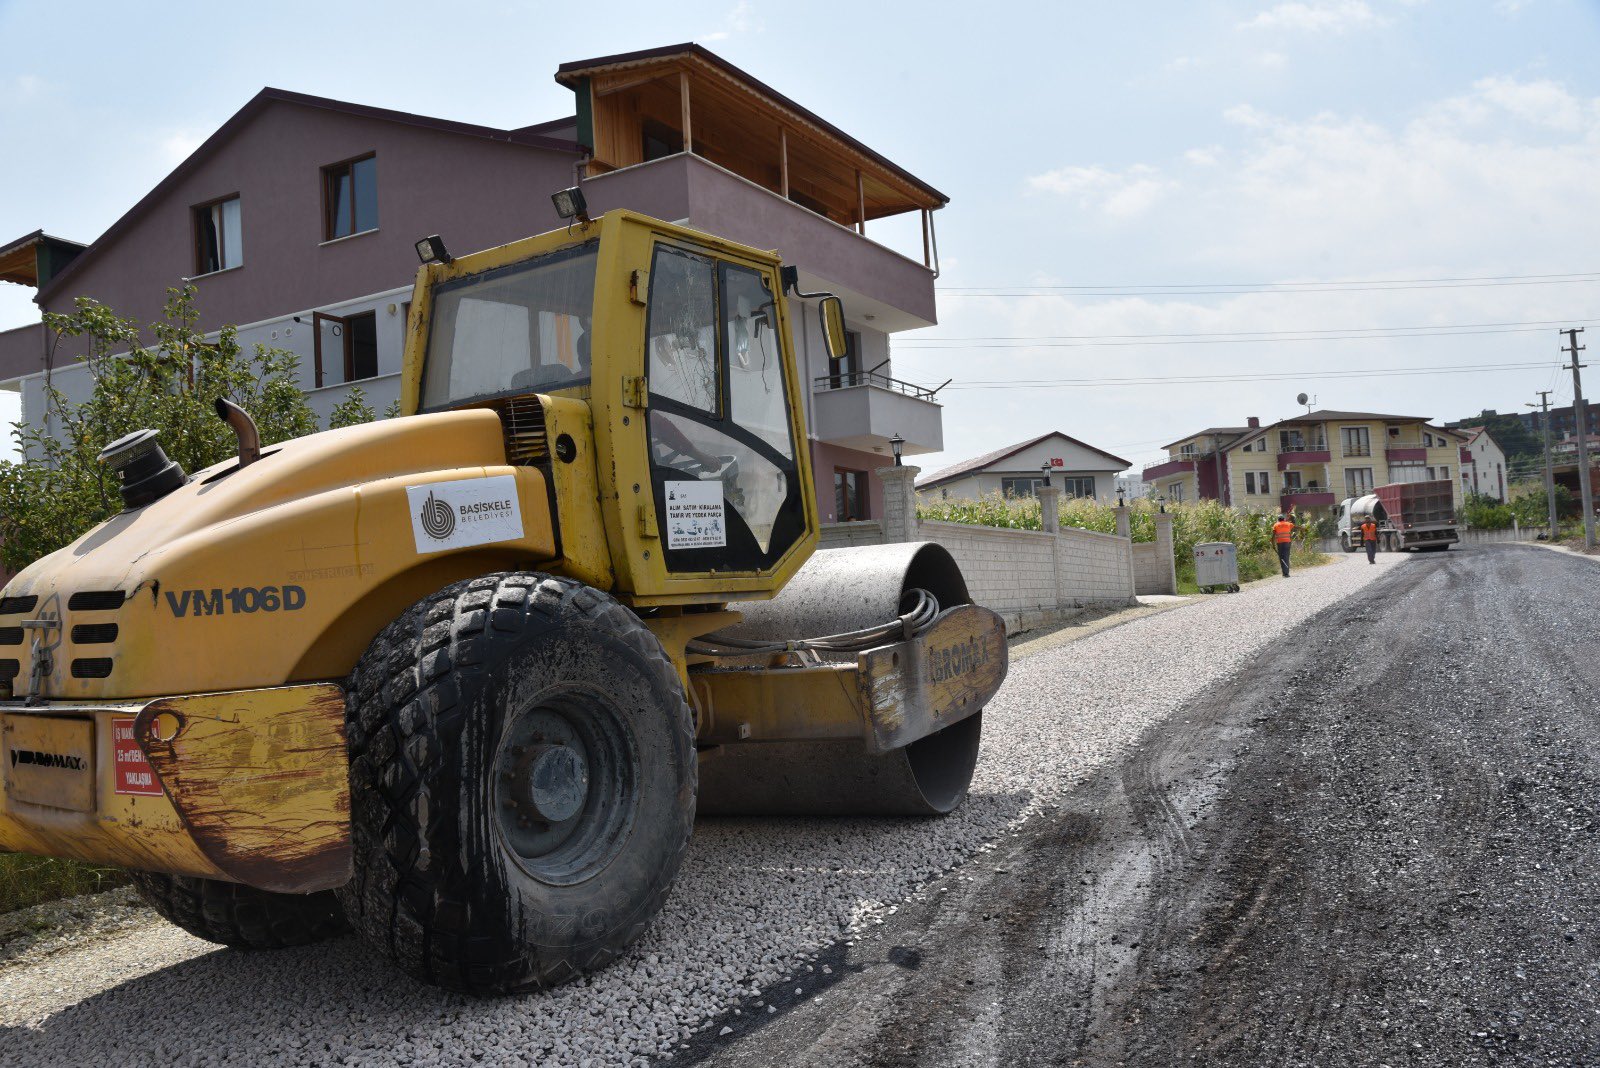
{"points": [[133, 771], [694, 515]]}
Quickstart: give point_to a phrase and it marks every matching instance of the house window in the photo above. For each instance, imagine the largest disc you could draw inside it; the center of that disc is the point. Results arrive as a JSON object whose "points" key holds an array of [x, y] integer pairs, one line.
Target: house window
{"points": [[218, 236], [1355, 441], [1250, 482], [1291, 482], [1175, 492], [849, 495], [1186, 449], [1408, 471], [1020, 486], [1296, 441], [1078, 486], [345, 348], [350, 198], [1357, 481]]}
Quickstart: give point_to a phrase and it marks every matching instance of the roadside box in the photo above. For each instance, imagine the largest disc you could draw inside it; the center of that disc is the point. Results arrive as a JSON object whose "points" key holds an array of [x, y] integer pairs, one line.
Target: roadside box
{"points": [[1216, 564]]}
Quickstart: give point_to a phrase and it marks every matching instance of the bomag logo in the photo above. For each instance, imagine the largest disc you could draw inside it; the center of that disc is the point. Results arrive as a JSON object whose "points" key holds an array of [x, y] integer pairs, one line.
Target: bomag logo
{"points": [[38, 759], [438, 522], [957, 659]]}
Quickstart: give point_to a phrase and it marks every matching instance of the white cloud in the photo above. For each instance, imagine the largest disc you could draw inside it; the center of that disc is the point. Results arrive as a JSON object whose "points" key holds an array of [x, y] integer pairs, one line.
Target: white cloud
{"points": [[1182, 63], [1512, 7], [176, 146], [1317, 16], [1543, 103], [1120, 195], [1272, 60], [740, 20], [1494, 181]]}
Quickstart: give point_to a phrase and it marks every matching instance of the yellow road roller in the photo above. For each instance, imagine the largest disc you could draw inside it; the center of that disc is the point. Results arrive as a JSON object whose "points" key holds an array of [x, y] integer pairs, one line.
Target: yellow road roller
{"points": [[461, 680]]}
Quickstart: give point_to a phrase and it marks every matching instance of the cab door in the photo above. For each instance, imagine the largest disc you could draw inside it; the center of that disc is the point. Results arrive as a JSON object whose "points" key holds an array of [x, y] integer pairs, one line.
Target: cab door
{"points": [[724, 472]]}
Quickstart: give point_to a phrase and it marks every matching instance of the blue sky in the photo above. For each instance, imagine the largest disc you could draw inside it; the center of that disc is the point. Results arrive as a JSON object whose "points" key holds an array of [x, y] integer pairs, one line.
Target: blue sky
{"points": [[1200, 145]]}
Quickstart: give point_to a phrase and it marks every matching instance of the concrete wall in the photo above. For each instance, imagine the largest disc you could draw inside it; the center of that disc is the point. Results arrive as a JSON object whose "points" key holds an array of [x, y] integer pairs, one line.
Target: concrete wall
{"points": [[1030, 577]]}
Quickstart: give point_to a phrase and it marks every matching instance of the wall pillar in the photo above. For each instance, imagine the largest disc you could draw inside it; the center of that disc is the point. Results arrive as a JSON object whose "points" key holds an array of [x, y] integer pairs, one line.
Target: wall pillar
{"points": [[1164, 551], [1124, 523], [899, 502], [1050, 509]]}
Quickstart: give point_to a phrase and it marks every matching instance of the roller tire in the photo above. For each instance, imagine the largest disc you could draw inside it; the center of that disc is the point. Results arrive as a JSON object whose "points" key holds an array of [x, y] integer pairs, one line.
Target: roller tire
{"points": [[438, 885], [243, 917]]}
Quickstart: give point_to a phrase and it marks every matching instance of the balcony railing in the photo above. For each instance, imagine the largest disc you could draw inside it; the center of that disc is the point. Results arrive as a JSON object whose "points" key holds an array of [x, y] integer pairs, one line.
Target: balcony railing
{"points": [[1170, 467], [1307, 497], [867, 378], [1303, 456], [1357, 450]]}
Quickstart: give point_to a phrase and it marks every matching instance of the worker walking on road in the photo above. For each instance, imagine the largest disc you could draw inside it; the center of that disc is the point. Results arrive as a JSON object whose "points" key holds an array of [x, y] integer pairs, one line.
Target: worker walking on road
{"points": [[1369, 538], [1283, 534]]}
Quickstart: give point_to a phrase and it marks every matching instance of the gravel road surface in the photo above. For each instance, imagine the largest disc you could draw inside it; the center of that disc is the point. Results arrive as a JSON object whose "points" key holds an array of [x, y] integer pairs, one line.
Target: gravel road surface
{"points": [[761, 905], [1378, 844]]}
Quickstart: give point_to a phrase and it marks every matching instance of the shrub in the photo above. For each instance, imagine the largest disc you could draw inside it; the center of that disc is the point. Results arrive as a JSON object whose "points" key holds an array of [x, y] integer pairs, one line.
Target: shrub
{"points": [[63, 490]]}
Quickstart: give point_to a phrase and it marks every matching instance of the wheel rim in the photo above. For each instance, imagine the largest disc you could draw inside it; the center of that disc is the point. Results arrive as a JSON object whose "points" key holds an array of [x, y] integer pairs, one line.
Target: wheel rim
{"points": [[566, 784]]}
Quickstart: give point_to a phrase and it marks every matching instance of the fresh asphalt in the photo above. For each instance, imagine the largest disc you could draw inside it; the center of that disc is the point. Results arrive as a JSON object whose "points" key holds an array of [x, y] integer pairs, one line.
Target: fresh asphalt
{"points": [[1377, 845]]}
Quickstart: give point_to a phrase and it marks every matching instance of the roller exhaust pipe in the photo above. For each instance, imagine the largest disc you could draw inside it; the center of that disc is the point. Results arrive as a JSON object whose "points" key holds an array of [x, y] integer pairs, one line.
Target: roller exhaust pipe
{"points": [[244, 428]]}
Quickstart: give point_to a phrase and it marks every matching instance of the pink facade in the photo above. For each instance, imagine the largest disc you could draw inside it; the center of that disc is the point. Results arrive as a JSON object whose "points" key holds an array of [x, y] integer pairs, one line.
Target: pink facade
{"points": [[477, 187]]}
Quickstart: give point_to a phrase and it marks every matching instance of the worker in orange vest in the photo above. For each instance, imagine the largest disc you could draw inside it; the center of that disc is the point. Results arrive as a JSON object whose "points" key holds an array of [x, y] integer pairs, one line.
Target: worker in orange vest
{"points": [[1283, 534], [1369, 538]]}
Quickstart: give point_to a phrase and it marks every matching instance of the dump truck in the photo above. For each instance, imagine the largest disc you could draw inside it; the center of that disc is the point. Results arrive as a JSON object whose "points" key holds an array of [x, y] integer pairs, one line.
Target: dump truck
{"points": [[1410, 515], [462, 680]]}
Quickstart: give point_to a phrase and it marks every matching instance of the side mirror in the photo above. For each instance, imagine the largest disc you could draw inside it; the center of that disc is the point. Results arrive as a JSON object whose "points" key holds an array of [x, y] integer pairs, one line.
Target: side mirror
{"points": [[832, 314]]}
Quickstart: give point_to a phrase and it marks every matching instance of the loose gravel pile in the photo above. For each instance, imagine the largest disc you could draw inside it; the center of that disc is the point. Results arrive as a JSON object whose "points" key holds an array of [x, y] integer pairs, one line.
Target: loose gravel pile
{"points": [[755, 901]]}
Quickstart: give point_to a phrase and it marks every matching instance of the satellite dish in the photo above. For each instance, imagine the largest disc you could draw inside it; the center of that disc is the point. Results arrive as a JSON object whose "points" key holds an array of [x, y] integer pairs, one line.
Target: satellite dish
{"points": [[1301, 399]]}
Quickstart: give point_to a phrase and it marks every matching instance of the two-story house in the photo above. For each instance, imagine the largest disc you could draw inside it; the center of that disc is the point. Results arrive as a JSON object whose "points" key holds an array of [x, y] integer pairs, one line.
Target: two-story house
{"points": [[1309, 462], [296, 219], [1483, 464]]}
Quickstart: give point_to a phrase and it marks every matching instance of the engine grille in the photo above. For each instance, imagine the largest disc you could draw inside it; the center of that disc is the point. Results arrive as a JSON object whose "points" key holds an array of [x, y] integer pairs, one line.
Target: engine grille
{"points": [[95, 601], [527, 443], [14, 606]]}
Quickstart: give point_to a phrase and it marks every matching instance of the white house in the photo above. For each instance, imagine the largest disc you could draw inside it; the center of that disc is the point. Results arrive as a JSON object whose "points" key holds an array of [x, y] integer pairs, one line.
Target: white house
{"points": [[1077, 469], [1485, 471]]}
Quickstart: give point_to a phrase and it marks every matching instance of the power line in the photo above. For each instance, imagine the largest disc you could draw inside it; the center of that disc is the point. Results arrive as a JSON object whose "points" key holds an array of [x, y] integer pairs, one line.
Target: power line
{"points": [[1137, 340], [1273, 376], [1244, 333], [1236, 288]]}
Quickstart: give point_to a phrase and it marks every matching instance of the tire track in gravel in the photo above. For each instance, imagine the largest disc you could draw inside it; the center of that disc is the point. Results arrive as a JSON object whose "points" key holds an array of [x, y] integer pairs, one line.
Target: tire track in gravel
{"points": [[1373, 845]]}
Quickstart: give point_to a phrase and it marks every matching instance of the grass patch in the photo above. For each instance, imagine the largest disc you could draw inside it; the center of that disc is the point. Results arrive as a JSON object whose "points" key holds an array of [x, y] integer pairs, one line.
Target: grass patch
{"points": [[28, 880]]}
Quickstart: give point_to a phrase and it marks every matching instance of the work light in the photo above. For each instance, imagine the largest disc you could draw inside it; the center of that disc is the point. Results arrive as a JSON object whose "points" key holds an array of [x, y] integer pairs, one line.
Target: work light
{"points": [[570, 204], [431, 250]]}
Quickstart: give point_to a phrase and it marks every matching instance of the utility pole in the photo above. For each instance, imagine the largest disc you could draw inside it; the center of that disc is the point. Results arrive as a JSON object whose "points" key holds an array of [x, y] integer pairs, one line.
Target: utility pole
{"points": [[1549, 470], [1580, 412]]}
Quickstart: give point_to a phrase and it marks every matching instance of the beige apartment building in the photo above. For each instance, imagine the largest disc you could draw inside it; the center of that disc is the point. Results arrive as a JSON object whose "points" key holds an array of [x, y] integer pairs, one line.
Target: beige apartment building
{"points": [[1309, 462]]}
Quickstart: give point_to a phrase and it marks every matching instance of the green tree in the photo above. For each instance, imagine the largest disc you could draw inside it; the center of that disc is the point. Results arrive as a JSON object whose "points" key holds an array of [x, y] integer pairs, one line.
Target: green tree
{"points": [[62, 489], [1483, 512], [1532, 508]]}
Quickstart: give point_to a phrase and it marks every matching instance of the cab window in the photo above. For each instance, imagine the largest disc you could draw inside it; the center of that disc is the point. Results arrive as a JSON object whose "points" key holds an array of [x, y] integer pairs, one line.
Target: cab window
{"points": [[721, 448], [517, 329]]}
